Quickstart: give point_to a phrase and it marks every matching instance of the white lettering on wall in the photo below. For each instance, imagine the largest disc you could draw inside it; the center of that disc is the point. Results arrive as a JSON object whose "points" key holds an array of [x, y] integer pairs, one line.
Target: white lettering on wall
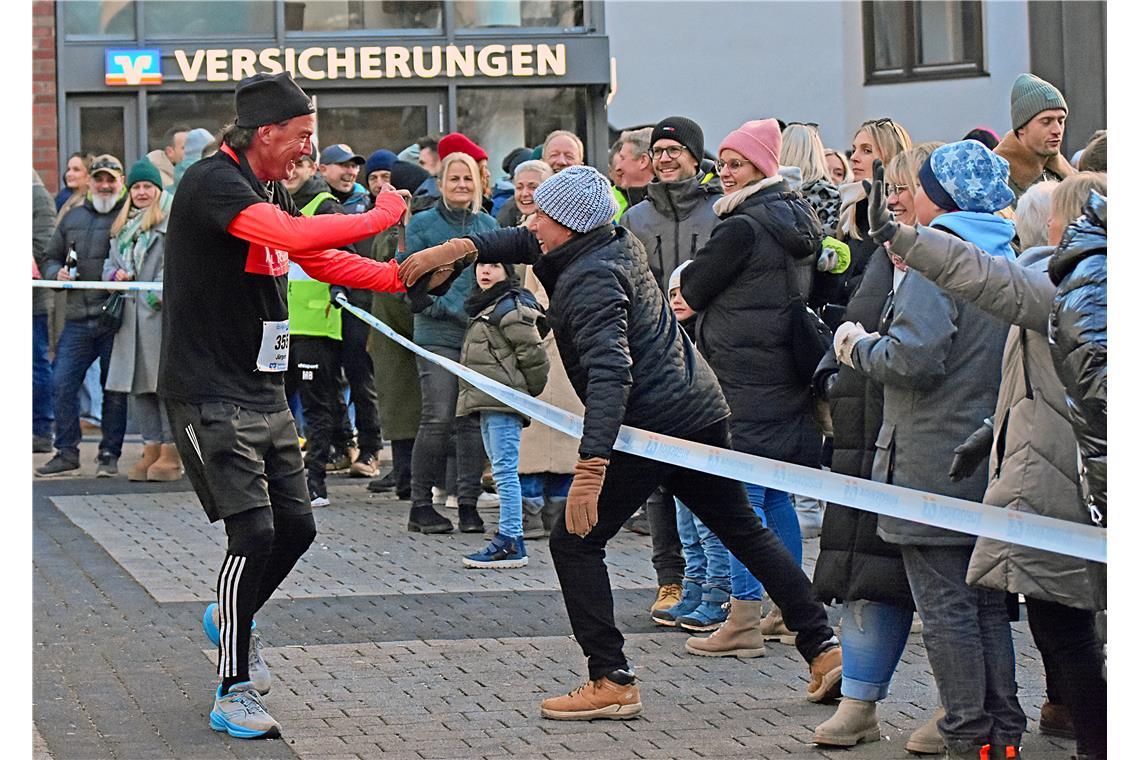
{"points": [[189, 70], [427, 72], [552, 61], [307, 71], [397, 60], [243, 64], [346, 62], [370, 63], [493, 61]]}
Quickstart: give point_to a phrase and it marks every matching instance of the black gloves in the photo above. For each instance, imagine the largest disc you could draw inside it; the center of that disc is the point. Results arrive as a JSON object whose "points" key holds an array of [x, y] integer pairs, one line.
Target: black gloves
{"points": [[333, 291], [972, 452], [882, 224]]}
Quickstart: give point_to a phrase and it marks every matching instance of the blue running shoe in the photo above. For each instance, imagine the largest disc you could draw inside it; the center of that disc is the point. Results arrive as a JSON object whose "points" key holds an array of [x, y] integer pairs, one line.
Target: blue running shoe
{"points": [[210, 623], [501, 554], [241, 714]]}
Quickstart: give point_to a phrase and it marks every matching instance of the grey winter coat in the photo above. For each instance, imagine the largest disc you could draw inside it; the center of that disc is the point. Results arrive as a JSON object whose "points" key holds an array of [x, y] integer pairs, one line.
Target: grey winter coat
{"points": [[134, 357], [43, 220], [502, 343], [1032, 466], [673, 222], [939, 365]]}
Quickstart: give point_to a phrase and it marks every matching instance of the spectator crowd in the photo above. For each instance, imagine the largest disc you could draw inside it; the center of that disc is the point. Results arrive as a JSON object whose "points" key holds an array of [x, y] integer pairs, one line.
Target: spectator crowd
{"points": [[929, 315]]}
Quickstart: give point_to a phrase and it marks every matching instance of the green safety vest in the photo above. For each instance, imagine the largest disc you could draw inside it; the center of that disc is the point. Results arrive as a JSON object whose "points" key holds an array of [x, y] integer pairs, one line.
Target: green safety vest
{"points": [[310, 312]]}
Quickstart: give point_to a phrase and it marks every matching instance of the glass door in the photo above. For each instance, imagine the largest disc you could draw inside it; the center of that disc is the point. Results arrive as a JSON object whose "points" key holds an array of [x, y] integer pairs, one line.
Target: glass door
{"points": [[103, 124], [368, 121]]}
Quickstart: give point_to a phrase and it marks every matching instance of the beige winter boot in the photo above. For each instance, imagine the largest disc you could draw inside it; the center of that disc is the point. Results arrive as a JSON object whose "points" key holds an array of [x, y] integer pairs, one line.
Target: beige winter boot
{"points": [[149, 457], [927, 739], [854, 721], [739, 636], [168, 466], [773, 629]]}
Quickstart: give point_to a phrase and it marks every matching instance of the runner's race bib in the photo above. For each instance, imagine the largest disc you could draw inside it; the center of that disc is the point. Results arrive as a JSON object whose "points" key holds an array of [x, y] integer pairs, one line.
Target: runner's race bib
{"points": [[273, 356]]}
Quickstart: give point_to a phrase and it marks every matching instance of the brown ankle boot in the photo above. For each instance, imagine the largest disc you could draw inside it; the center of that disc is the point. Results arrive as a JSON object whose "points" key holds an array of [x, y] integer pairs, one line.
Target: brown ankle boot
{"points": [[149, 456], [168, 466], [927, 739], [602, 698], [739, 636], [826, 675], [773, 629]]}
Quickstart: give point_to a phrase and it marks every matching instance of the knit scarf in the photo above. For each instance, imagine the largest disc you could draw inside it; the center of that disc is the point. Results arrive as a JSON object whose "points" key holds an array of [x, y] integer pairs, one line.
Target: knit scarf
{"points": [[728, 203], [850, 194], [480, 299], [133, 241]]}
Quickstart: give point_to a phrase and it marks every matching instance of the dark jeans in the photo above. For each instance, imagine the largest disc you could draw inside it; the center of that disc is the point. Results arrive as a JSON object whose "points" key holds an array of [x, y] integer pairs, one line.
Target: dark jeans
{"points": [[42, 409], [439, 390], [1073, 658], [970, 649], [81, 342], [668, 562], [723, 506], [358, 370]]}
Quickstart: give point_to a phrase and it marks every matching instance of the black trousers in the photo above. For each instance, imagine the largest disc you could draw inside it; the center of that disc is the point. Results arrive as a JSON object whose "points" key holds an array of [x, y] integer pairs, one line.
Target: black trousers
{"points": [[314, 369], [668, 562], [1073, 658], [359, 372], [722, 505]]}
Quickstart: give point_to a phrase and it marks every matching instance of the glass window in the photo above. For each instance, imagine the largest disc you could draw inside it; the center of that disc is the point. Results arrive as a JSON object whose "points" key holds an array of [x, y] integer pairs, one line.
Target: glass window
{"points": [[500, 120], [224, 18], [208, 110], [345, 15], [369, 128], [933, 39], [99, 17], [101, 130], [479, 14]]}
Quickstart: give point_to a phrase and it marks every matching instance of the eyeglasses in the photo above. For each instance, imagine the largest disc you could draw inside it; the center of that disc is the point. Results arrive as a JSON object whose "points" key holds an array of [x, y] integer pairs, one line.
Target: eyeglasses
{"points": [[672, 151], [733, 166], [890, 189]]}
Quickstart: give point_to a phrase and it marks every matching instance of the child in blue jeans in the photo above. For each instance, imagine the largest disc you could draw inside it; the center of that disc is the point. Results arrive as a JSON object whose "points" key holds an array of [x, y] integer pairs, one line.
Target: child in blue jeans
{"points": [[504, 344], [705, 586]]}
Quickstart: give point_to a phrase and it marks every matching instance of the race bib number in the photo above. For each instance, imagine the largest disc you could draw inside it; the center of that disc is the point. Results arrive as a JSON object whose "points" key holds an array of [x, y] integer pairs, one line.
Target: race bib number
{"points": [[273, 356]]}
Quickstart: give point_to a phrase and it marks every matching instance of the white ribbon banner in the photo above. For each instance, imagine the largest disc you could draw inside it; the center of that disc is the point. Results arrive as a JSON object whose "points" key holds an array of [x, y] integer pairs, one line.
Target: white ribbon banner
{"points": [[95, 285], [1024, 528]]}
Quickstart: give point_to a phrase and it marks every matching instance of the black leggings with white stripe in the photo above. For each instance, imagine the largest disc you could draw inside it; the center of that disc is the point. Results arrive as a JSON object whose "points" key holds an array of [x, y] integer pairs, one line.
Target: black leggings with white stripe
{"points": [[263, 545]]}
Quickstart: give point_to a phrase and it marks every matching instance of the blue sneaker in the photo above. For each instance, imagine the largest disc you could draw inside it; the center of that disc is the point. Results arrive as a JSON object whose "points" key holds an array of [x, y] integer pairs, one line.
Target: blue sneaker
{"points": [[210, 624], [501, 554], [241, 714], [690, 600], [709, 615]]}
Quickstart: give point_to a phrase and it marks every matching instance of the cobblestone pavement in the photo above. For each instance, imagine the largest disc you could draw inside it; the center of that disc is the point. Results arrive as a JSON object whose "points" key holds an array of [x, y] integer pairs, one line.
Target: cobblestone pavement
{"points": [[381, 645]]}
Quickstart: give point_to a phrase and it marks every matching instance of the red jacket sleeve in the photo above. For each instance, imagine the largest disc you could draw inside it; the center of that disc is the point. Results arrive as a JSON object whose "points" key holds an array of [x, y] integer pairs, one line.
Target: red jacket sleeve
{"points": [[343, 268], [266, 224]]}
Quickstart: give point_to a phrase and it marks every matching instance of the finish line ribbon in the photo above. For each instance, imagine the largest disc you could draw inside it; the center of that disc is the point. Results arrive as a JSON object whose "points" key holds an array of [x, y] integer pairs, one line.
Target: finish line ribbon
{"points": [[95, 285], [1023, 528]]}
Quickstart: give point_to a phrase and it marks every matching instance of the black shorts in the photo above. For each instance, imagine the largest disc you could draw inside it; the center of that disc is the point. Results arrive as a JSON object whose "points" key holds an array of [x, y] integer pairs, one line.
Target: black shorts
{"points": [[238, 459]]}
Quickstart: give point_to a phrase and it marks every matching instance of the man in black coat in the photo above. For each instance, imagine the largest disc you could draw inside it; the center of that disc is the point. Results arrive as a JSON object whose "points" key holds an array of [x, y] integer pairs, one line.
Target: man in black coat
{"points": [[629, 363]]}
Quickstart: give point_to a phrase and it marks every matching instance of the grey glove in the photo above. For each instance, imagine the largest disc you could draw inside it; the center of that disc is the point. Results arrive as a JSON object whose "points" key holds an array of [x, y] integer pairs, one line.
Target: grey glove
{"points": [[879, 218], [971, 453]]}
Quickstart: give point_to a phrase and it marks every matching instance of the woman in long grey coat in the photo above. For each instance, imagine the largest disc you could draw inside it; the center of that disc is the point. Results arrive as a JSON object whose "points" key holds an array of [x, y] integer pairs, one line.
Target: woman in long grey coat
{"points": [[138, 237]]}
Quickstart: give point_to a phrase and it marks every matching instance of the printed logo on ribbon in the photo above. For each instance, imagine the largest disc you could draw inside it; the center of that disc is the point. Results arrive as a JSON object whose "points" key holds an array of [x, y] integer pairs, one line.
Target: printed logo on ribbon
{"points": [[127, 67]]}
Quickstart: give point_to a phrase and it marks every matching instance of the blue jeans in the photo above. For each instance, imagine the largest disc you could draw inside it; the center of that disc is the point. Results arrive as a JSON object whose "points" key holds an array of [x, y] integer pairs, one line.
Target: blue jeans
{"points": [[81, 343], [501, 434], [775, 510], [874, 636], [91, 393], [42, 409], [706, 559], [540, 486], [969, 646]]}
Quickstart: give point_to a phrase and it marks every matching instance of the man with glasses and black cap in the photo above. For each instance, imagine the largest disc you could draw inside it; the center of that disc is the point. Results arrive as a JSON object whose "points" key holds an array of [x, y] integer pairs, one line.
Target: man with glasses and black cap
{"points": [[233, 232], [77, 251]]}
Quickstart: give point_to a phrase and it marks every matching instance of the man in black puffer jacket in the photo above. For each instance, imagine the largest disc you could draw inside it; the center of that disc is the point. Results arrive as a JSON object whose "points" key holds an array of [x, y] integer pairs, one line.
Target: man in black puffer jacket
{"points": [[630, 364], [1078, 339]]}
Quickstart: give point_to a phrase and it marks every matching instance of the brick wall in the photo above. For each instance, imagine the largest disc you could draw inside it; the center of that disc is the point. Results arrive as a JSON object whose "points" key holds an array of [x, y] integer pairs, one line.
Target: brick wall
{"points": [[45, 122]]}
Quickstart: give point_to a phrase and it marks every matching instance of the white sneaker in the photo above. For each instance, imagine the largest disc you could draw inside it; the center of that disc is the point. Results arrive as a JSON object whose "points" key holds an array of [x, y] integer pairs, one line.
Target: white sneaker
{"points": [[452, 502], [438, 496]]}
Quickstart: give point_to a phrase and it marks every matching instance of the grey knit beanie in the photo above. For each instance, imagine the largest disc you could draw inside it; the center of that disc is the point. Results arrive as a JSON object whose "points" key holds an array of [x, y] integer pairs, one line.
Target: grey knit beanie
{"points": [[1030, 96], [578, 197]]}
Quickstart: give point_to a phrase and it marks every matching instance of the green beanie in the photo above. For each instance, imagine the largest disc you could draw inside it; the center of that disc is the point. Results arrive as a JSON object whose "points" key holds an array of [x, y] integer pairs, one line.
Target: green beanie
{"points": [[1030, 96], [144, 171]]}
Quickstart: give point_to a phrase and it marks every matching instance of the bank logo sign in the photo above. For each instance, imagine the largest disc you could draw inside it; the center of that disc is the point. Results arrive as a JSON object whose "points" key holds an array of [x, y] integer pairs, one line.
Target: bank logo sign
{"points": [[132, 67]]}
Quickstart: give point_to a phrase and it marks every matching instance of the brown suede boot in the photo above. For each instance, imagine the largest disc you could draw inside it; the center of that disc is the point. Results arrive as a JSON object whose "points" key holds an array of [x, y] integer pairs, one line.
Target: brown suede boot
{"points": [[149, 457], [854, 721], [739, 636], [602, 698], [927, 739], [826, 675], [773, 629], [168, 466]]}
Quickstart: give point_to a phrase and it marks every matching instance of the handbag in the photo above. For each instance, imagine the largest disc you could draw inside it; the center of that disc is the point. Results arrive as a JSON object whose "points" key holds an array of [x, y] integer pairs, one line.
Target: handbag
{"points": [[111, 316], [811, 338]]}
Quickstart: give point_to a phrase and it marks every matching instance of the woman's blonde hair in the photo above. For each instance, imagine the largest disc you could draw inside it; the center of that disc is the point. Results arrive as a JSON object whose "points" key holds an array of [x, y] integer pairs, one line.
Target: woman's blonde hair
{"points": [[534, 165], [1031, 219], [827, 153], [476, 204], [903, 168], [802, 147], [1070, 196], [888, 138], [152, 216]]}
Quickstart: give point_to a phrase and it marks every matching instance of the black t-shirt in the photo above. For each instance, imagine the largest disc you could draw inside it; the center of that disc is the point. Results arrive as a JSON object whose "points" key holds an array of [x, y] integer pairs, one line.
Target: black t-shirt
{"points": [[224, 299]]}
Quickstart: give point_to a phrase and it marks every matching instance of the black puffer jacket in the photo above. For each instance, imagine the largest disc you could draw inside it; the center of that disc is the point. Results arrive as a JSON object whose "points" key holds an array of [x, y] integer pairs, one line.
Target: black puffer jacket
{"points": [[739, 282], [627, 358], [854, 563], [90, 233], [1078, 340]]}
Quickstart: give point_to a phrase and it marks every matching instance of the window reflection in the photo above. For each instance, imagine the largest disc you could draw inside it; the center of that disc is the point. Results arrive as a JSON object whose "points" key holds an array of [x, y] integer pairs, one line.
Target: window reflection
{"points": [[477, 14], [109, 17], [208, 110], [224, 18], [346, 15]]}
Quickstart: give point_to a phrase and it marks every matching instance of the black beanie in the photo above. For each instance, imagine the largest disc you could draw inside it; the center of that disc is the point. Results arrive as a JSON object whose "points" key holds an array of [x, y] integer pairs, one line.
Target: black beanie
{"points": [[407, 176], [513, 159], [685, 131], [269, 99]]}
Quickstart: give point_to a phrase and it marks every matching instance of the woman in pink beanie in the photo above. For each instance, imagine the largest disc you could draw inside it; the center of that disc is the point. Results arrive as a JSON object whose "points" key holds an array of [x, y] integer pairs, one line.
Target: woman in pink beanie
{"points": [[758, 143]]}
